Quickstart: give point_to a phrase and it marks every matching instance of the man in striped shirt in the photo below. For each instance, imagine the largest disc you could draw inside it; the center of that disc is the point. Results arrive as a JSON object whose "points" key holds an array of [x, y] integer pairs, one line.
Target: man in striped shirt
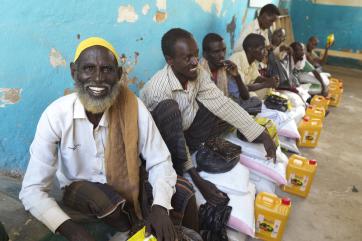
{"points": [[188, 108]]}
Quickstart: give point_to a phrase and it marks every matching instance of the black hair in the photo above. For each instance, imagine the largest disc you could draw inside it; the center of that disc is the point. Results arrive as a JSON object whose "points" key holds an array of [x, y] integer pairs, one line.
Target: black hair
{"points": [[253, 41], [210, 38], [269, 9], [294, 45], [170, 38], [312, 37]]}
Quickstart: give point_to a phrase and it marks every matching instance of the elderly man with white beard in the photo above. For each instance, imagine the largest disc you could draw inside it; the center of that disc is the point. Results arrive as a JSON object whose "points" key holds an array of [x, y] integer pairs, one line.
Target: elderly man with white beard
{"points": [[93, 141]]}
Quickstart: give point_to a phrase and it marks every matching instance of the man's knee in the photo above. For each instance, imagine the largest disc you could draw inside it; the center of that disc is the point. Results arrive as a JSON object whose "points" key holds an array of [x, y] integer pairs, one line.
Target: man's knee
{"points": [[166, 110]]}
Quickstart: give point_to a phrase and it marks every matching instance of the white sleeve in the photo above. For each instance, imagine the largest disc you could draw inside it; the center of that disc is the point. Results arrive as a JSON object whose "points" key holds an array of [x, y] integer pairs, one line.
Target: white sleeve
{"points": [[40, 174], [153, 149]]}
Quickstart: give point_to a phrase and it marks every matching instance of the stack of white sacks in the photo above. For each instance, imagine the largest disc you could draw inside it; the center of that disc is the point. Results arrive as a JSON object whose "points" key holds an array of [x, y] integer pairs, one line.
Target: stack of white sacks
{"points": [[254, 173]]}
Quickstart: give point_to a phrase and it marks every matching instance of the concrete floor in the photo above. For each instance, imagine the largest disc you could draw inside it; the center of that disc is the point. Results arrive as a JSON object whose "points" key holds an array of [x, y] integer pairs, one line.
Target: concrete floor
{"points": [[331, 212]]}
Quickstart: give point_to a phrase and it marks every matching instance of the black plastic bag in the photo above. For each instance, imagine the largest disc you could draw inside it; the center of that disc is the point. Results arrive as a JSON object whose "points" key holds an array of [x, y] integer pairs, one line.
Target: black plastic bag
{"points": [[217, 156], [213, 220]]}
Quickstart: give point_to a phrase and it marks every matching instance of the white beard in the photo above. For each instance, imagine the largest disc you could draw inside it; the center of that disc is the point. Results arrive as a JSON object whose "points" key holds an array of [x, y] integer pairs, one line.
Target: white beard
{"points": [[99, 105]]}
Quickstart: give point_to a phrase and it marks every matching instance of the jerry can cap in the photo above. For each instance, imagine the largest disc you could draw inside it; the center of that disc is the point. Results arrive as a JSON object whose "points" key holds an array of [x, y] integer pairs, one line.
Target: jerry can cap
{"points": [[286, 201], [312, 162]]}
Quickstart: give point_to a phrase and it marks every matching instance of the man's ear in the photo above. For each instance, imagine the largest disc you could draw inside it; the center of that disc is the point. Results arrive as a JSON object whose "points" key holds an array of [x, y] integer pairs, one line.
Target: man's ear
{"points": [[73, 69], [169, 60], [120, 72]]}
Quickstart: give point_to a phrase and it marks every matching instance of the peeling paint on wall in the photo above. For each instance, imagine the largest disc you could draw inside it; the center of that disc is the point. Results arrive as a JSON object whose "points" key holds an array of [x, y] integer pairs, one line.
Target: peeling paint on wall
{"points": [[207, 5], [127, 14], [160, 17], [56, 59], [230, 28], [145, 9], [9, 96], [161, 5]]}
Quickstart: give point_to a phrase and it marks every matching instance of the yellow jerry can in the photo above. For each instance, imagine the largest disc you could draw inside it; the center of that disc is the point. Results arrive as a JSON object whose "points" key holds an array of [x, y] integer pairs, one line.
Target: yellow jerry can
{"points": [[140, 236], [300, 174], [335, 94], [335, 81], [271, 216], [315, 112], [320, 101], [309, 130]]}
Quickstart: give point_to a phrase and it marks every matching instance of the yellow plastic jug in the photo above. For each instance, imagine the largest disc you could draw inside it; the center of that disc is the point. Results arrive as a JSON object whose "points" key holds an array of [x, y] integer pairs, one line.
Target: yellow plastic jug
{"points": [[271, 216], [330, 39], [315, 112], [309, 130], [335, 81], [300, 174], [140, 236], [335, 94], [320, 101]]}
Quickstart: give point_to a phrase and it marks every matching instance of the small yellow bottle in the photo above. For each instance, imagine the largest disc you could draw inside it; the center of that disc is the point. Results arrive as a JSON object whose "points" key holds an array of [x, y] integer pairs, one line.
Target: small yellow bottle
{"points": [[330, 39], [271, 216], [300, 174], [335, 94], [320, 101], [309, 130], [140, 236], [315, 112]]}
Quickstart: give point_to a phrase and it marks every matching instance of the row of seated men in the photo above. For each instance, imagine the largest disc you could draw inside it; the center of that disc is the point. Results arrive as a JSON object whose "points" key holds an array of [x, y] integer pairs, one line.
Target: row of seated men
{"points": [[122, 159]]}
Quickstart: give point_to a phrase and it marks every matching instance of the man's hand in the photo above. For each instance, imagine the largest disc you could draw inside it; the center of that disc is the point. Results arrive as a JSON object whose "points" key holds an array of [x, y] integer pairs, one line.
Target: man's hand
{"points": [[231, 68], [269, 145], [74, 232], [160, 224], [271, 82], [287, 49], [208, 190]]}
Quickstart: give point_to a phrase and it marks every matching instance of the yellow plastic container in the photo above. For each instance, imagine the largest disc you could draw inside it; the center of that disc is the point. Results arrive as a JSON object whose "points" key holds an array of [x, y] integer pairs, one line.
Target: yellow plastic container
{"points": [[320, 101], [335, 94], [335, 81], [140, 236], [330, 39], [315, 112], [271, 216], [309, 130], [300, 174]]}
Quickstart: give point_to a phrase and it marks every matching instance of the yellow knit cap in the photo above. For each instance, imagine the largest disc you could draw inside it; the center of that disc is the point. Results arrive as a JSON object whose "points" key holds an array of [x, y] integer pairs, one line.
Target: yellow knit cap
{"points": [[93, 41]]}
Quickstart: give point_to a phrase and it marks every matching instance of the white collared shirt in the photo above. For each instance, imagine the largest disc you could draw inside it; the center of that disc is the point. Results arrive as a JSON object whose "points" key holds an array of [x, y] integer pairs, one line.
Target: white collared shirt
{"points": [[252, 27], [66, 145]]}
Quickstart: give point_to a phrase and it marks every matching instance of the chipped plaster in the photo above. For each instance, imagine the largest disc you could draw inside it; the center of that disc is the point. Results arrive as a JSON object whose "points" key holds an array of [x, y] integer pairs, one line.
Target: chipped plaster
{"points": [[145, 9], [161, 4], [9, 96], [160, 17], [207, 5], [56, 59], [127, 14]]}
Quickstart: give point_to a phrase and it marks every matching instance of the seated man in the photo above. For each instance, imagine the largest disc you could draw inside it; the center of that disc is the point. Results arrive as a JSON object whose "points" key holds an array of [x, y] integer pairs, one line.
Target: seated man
{"points": [[314, 58], [188, 108], [247, 62], [91, 141], [280, 50], [224, 73], [261, 25], [305, 72]]}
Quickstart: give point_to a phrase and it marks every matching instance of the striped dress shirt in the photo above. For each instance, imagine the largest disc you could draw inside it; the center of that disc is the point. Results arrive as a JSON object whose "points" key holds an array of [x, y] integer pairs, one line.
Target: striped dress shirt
{"points": [[165, 85]]}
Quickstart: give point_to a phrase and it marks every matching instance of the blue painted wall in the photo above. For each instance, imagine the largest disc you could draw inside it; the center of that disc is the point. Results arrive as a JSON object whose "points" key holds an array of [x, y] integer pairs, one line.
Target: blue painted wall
{"points": [[320, 20], [31, 76]]}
